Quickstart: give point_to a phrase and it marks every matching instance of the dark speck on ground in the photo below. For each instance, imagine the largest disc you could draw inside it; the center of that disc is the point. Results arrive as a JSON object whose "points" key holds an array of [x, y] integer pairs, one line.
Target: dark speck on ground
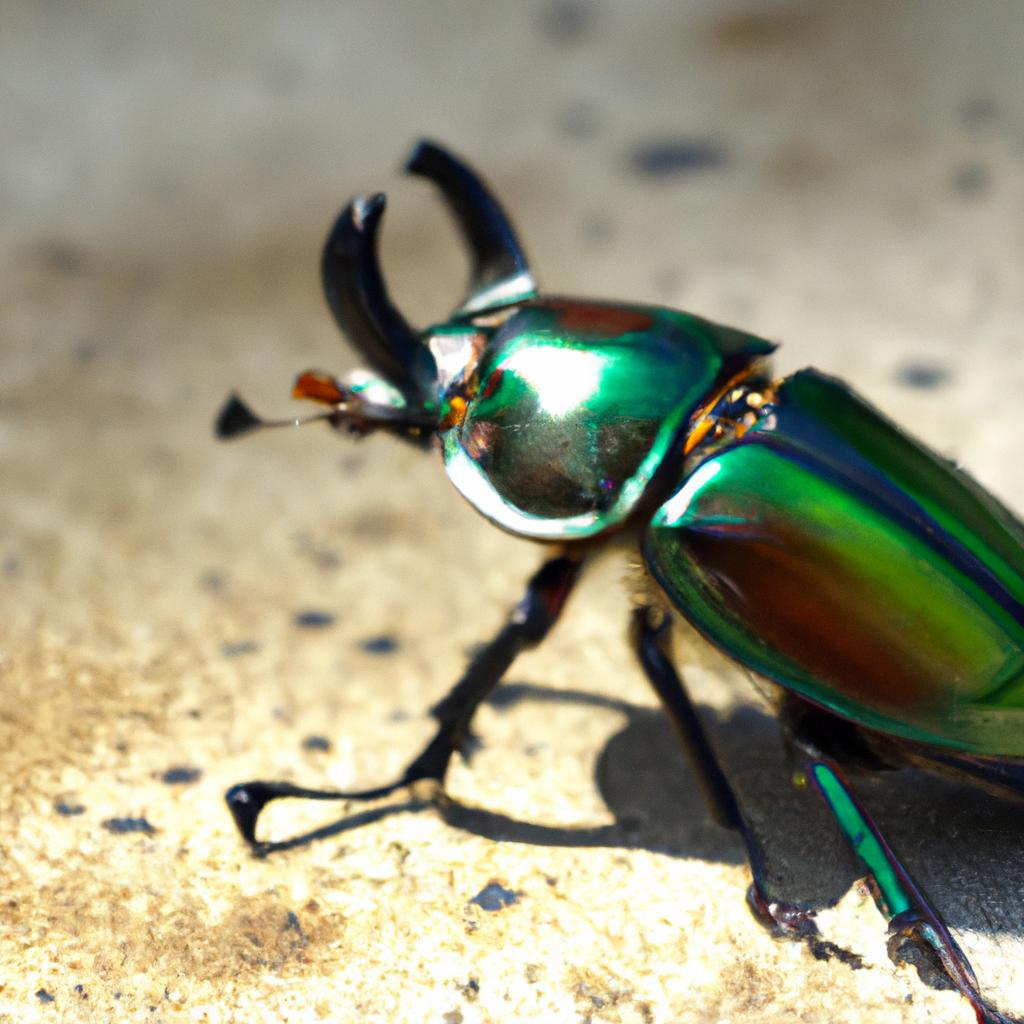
{"points": [[213, 581], [564, 22], [43, 996], [124, 826], [68, 809], [979, 111], [313, 618], [670, 158], [237, 648], [495, 897], [383, 644], [180, 776], [971, 179], [316, 743], [64, 257], [923, 376]]}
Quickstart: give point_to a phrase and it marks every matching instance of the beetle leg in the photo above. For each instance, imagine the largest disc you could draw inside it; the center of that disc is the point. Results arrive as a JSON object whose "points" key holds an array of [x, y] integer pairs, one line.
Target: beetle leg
{"points": [[912, 918], [528, 624], [651, 635]]}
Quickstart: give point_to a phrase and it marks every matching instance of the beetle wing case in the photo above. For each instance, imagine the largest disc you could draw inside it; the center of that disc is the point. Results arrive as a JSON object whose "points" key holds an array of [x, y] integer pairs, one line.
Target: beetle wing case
{"points": [[832, 553]]}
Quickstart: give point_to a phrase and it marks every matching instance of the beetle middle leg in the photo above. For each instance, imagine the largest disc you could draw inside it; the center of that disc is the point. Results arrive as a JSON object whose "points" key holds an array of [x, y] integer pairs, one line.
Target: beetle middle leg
{"points": [[651, 634], [527, 625]]}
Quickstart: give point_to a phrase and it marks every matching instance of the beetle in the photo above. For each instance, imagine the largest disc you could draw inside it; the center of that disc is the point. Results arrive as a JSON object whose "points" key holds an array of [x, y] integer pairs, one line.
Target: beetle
{"points": [[875, 584]]}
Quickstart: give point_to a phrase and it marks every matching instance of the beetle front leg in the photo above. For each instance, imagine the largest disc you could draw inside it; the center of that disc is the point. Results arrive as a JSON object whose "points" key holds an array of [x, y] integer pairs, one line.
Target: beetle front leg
{"points": [[528, 624]]}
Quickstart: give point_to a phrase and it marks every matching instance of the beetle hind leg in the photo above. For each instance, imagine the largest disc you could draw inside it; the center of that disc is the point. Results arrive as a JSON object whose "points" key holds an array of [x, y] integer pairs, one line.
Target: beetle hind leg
{"points": [[528, 624], [917, 933]]}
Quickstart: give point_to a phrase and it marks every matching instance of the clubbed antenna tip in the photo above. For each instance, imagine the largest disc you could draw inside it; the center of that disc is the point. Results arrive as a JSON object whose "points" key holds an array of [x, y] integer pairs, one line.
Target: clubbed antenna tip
{"points": [[235, 419]]}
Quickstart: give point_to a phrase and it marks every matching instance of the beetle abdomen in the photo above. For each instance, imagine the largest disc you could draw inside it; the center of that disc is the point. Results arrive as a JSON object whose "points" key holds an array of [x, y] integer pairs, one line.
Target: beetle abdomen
{"points": [[831, 553]]}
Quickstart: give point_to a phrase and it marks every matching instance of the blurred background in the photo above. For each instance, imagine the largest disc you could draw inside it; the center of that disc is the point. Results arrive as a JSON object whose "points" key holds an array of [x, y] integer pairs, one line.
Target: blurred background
{"points": [[178, 615]]}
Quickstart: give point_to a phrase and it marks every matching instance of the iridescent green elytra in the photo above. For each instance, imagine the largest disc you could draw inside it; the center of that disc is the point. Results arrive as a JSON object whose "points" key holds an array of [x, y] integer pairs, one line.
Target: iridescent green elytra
{"points": [[830, 552]]}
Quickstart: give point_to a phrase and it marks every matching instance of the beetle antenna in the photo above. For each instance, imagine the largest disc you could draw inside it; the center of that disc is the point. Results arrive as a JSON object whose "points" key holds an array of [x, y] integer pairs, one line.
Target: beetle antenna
{"points": [[236, 419]]}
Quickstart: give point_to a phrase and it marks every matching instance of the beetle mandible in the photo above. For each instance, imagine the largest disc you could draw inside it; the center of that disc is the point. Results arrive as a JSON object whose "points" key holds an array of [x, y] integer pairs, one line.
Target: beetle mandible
{"points": [[798, 529]]}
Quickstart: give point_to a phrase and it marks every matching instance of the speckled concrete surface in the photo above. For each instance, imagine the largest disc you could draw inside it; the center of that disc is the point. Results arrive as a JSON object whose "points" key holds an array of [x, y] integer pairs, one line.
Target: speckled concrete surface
{"points": [[845, 177]]}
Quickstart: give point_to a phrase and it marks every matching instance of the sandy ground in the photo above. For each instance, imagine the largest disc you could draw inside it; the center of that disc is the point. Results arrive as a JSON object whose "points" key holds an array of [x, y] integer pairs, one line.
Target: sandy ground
{"points": [[180, 615]]}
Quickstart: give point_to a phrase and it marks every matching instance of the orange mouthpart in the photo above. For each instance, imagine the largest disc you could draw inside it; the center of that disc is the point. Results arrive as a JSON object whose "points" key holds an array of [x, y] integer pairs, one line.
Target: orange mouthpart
{"points": [[319, 387]]}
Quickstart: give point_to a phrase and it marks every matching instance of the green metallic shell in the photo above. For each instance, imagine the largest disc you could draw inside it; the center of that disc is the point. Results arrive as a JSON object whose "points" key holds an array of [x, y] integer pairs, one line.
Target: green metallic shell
{"points": [[574, 406], [833, 554]]}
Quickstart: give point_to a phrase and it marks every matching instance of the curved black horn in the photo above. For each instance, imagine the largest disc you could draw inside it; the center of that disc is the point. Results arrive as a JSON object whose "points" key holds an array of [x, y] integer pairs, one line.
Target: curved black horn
{"points": [[359, 301], [500, 273]]}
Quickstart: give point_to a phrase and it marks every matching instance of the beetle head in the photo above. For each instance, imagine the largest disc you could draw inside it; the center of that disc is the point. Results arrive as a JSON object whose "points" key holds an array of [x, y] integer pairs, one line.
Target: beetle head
{"points": [[399, 390]]}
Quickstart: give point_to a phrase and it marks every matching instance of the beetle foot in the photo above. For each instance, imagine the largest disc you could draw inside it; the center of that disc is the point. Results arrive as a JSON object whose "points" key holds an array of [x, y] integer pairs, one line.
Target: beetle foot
{"points": [[939, 961], [785, 920], [247, 800], [788, 921], [911, 942]]}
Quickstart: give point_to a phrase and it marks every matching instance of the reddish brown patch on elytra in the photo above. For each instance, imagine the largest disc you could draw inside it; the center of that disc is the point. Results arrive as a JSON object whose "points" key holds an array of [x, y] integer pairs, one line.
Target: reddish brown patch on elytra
{"points": [[801, 605], [594, 318]]}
